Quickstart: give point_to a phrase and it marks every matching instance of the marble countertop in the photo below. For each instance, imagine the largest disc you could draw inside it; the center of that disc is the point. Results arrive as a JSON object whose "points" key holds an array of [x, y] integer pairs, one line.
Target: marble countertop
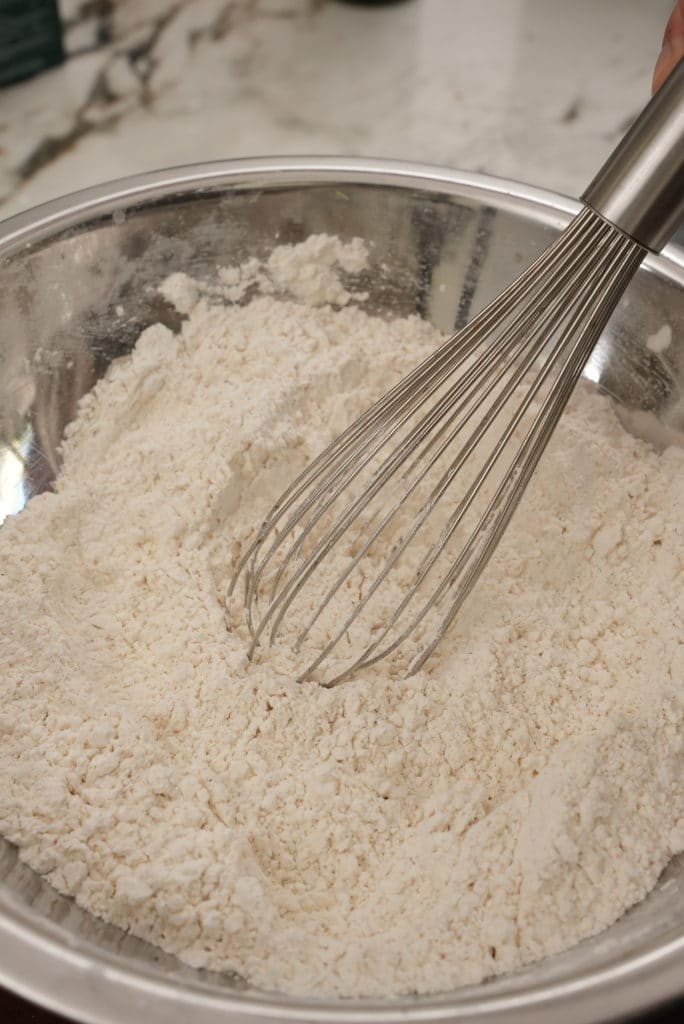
{"points": [[538, 90]]}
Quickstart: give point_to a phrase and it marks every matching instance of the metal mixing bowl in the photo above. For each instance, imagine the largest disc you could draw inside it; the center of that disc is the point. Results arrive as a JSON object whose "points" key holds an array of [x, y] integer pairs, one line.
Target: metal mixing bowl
{"points": [[76, 288]]}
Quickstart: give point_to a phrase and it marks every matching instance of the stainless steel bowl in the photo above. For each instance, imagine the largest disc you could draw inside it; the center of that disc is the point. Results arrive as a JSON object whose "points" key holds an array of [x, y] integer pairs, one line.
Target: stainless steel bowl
{"points": [[75, 279]]}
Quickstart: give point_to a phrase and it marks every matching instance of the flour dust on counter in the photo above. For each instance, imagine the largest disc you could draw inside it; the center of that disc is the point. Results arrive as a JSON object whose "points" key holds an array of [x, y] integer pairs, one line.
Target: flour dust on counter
{"points": [[391, 835]]}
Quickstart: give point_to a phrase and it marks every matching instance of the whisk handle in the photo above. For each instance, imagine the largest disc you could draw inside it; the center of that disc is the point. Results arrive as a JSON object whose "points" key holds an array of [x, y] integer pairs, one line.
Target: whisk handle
{"points": [[640, 188]]}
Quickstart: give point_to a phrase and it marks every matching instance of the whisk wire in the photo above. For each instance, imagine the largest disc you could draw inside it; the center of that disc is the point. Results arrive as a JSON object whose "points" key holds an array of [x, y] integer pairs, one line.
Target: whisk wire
{"points": [[384, 409], [550, 298], [512, 488], [519, 342], [281, 601], [513, 481], [372, 475]]}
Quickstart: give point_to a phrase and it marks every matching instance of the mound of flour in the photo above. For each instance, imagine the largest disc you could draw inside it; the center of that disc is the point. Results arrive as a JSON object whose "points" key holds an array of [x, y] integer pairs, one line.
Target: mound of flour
{"points": [[388, 836]]}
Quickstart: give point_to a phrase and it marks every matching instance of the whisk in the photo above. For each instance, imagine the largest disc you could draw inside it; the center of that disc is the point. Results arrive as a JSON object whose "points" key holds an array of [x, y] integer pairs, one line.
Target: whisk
{"points": [[379, 541]]}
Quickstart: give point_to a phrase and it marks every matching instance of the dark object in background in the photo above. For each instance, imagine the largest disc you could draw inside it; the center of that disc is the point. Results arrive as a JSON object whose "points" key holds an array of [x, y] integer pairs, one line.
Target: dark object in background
{"points": [[372, 3], [30, 38]]}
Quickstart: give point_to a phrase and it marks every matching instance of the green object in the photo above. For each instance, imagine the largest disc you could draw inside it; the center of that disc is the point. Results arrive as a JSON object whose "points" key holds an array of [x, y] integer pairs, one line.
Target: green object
{"points": [[30, 38]]}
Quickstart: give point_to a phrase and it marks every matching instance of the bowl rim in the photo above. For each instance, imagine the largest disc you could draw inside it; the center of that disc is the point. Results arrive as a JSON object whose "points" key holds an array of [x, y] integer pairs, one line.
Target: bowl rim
{"points": [[95, 987], [35, 223]]}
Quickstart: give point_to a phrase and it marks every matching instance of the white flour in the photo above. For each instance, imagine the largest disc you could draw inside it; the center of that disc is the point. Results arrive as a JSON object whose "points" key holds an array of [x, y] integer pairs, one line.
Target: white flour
{"points": [[392, 835]]}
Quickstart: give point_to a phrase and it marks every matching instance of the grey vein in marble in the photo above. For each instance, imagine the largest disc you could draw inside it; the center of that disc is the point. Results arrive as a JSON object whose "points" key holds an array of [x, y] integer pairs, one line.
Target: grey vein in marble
{"points": [[537, 90]]}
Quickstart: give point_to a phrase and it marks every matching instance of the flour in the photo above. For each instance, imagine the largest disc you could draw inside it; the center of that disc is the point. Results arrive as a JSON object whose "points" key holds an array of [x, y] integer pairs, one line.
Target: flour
{"points": [[389, 836]]}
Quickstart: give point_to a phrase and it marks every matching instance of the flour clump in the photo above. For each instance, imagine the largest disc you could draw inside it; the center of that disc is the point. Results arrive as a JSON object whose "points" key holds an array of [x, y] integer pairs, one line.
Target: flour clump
{"points": [[389, 836]]}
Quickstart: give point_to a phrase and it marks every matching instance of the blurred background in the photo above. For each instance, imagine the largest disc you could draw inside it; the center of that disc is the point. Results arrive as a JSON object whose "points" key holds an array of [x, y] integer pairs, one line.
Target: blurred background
{"points": [[537, 90]]}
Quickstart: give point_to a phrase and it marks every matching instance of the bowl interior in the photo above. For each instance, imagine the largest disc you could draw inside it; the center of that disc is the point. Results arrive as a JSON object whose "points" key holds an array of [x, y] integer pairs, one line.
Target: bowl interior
{"points": [[78, 284]]}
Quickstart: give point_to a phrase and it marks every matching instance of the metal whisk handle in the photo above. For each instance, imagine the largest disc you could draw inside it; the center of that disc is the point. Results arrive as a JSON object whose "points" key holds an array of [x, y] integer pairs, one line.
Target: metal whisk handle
{"points": [[640, 188]]}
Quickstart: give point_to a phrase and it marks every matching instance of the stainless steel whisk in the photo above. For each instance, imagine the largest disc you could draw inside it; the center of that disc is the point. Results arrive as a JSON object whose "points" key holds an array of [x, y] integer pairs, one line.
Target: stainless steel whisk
{"points": [[362, 551]]}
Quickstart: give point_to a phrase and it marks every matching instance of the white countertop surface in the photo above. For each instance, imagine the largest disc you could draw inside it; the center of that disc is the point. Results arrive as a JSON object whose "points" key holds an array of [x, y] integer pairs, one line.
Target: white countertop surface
{"points": [[538, 90]]}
